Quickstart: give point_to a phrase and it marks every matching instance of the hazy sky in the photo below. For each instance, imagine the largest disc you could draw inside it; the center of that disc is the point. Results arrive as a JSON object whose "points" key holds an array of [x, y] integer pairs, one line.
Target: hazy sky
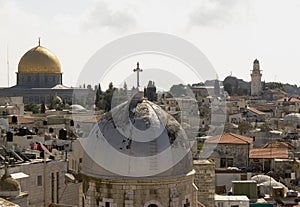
{"points": [[231, 33]]}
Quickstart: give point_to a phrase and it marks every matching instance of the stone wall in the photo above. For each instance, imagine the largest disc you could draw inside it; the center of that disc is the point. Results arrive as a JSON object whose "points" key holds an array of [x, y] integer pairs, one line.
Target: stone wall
{"points": [[239, 153], [71, 193], [205, 181], [141, 192]]}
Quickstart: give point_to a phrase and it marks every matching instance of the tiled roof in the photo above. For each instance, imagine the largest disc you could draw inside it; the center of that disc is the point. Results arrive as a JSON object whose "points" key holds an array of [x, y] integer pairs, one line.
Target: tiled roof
{"points": [[254, 110], [268, 153], [230, 138], [277, 144], [265, 106], [288, 99]]}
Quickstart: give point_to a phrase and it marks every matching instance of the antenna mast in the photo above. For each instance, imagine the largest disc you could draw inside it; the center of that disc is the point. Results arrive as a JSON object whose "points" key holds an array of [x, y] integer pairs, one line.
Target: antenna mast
{"points": [[7, 62]]}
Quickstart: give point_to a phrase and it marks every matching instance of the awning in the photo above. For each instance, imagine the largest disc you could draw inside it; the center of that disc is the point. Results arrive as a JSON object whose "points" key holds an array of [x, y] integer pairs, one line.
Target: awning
{"points": [[19, 175]]}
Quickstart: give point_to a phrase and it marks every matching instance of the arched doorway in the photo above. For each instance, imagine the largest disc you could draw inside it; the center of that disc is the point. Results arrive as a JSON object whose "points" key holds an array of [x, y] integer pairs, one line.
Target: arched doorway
{"points": [[153, 203]]}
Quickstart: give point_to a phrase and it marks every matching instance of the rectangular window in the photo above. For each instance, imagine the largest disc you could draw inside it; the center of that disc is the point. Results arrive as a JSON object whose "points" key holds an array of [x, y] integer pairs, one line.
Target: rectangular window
{"points": [[52, 187], [243, 177], [107, 204], [57, 187], [226, 162], [223, 162], [229, 162], [39, 180], [287, 175]]}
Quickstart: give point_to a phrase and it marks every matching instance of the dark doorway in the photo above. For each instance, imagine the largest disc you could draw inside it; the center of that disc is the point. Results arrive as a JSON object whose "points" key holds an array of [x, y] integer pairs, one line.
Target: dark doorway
{"points": [[152, 205]]}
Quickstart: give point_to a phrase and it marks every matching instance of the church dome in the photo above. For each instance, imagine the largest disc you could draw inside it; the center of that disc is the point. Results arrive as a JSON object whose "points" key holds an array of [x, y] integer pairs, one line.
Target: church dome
{"points": [[7, 183], [137, 139], [39, 60]]}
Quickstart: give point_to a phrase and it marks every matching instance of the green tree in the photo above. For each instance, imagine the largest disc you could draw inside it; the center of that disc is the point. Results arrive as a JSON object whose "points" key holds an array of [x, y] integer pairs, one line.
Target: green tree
{"points": [[107, 96], [98, 98], [265, 127], [244, 127], [228, 88], [43, 108], [103, 100], [178, 90], [32, 107]]}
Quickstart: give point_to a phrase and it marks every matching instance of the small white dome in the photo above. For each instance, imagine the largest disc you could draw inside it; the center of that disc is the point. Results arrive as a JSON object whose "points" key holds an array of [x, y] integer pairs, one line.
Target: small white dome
{"points": [[77, 107]]}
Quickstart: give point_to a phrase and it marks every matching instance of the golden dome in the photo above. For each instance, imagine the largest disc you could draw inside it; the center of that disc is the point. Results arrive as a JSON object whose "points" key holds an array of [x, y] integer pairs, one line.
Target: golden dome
{"points": [[39, 60]]}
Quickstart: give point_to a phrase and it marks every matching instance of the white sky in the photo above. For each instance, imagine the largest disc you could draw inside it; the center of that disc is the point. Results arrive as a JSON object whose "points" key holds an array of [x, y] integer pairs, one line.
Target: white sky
{"points": [[231, 33]]}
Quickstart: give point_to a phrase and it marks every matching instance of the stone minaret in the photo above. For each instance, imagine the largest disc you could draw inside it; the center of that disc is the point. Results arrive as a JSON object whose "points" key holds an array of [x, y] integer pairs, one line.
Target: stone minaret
{"points": [[256, 86]]}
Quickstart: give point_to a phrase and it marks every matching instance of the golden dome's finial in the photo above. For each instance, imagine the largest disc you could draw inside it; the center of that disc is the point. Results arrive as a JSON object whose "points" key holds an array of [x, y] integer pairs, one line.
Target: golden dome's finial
{"points": [[39, 41]]}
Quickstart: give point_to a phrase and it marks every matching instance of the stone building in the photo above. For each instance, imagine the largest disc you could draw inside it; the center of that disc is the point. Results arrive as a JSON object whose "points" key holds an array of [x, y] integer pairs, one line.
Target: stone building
{"points": [[45, 183], [130, 171], [228, 150], [39, 183], [186, 109], [39, 78], [286, 106], [273, 156], [256, 85]]}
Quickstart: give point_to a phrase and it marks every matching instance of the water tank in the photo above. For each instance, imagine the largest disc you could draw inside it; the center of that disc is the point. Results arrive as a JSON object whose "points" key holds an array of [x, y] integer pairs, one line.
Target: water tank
{"points": [[245, 187], [62, 134], [9, 137]]}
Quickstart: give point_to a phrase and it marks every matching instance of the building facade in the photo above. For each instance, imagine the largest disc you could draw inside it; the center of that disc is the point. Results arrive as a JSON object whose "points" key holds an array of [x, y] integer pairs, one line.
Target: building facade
{"points": [[228, 150]]}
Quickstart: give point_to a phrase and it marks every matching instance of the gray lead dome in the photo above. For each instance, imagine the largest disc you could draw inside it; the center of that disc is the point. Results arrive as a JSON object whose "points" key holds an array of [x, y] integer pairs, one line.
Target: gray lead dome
{"points": [[137, 139]]}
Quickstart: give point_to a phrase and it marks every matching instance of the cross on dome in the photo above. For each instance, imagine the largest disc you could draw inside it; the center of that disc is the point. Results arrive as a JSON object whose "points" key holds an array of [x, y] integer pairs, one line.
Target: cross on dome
{"points": [[137, 70]]}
